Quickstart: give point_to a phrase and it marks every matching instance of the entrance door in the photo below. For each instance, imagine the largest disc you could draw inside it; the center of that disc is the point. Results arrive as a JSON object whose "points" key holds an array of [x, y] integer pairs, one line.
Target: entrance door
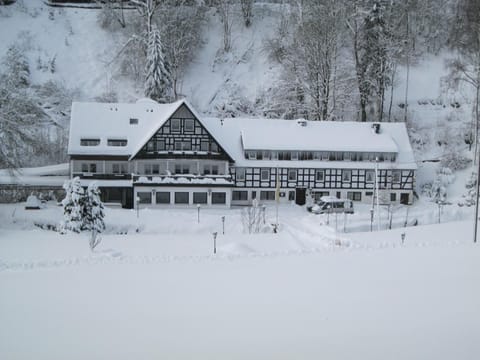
{"points": [[300, 196], [404, 198]]}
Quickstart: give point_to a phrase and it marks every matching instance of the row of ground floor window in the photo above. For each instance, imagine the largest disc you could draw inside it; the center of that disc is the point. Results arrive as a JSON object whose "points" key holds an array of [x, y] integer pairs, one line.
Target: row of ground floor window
{"points": [[228, 196]]}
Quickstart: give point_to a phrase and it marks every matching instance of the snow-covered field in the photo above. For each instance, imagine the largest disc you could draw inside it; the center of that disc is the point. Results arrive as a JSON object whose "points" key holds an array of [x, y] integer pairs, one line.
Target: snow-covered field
{"points": [[306, 292]]}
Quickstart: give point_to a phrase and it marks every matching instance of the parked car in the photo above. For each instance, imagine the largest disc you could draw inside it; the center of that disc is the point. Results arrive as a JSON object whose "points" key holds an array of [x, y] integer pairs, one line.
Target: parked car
{"points": [[330, 204]]}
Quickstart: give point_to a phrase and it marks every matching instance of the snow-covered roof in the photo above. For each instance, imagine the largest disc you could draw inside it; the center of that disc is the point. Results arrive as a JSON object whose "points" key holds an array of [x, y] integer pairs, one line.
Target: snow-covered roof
{"points": [[103, 121], [53, 175], [237, 135]]}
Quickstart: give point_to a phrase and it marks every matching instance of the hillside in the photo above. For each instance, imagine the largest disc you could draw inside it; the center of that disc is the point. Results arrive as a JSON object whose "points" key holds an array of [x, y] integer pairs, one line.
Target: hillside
{"points": [[84, 59]]}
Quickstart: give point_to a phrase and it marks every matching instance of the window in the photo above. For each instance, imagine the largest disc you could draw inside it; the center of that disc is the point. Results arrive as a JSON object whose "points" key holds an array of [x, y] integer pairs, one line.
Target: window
{"points": [[152, 169], [145, 197], [89, 168], [150, 146], [239, 195], [210, 169], [181, 197], [119, 168], [240, 174], [320, 175], [252, 155], [369, 193], [318, 194], [89, 142], [354, 195], [294, 155], [396, 175], [370, 176], [183, 146], [265, 175], [347, 175], [393, 197], [291, 195], [175, 125], [274, 155], [204, 145], [292, 175], [214, 147], [219, 198], [182, 169], [189, 125], [199, 197], [347, 156], [325, 156], [133, 121], [267, 195], [162, 197], [160, 145], [266, 155], [117, 142]]}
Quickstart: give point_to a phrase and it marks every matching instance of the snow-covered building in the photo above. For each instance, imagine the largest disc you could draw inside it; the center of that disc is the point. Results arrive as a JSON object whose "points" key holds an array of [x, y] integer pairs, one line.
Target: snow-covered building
{"points": [[166, 154]]}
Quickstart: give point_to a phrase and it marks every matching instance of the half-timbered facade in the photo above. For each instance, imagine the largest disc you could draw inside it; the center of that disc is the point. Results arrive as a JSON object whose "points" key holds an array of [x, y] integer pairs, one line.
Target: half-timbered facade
{"points": [[165, 154]]}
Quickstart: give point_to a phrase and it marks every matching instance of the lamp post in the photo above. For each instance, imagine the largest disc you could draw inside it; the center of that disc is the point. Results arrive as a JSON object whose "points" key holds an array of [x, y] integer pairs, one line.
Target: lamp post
{"points": [[264, 207], [138, 206], [371, 219], [215, 242], [223, 225], [198, 213]]}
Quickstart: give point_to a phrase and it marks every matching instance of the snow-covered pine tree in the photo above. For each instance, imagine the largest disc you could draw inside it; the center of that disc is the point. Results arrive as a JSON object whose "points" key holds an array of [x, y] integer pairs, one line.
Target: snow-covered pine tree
{"points": [[93, 214], [93, 210], [158, 79], [73, 206]]}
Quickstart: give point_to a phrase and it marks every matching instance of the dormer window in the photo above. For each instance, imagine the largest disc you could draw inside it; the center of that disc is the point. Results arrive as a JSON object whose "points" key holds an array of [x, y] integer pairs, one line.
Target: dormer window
{"points": [[117, 142], [133, 121], [89, 142]]}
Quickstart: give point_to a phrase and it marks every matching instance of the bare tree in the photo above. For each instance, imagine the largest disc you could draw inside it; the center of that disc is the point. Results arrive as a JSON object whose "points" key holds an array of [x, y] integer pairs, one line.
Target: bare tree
{"points": [[147, 9], [247, 6], [224, 8], [251, 218]]}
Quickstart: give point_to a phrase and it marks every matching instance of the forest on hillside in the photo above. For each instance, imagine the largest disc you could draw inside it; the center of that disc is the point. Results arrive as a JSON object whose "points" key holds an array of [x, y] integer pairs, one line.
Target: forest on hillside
{"points": [[336, 58]]}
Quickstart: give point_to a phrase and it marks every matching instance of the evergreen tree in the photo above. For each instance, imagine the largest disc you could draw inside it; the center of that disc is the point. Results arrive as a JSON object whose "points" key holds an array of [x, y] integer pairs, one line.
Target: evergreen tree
{"points": [[158, 80], [93, 211], [73, 206], [93, 214]]}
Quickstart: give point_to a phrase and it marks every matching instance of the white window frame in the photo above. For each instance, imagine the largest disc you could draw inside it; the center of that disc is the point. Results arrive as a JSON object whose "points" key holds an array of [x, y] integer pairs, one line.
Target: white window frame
{"points": [[317, 173], [265, 171], [290, 172], [372, 173], [189, 128], [396, 176], [346, 175], [174, 128], [240, 174]]}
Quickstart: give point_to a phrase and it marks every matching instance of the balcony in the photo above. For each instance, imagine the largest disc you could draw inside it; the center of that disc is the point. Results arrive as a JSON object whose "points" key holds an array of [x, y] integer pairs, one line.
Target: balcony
{"points": [[102, 176], [183, 179]]}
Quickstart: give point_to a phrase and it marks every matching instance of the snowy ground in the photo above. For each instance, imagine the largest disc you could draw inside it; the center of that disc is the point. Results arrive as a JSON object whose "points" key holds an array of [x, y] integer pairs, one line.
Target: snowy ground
{"points": [[303, 293]]}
